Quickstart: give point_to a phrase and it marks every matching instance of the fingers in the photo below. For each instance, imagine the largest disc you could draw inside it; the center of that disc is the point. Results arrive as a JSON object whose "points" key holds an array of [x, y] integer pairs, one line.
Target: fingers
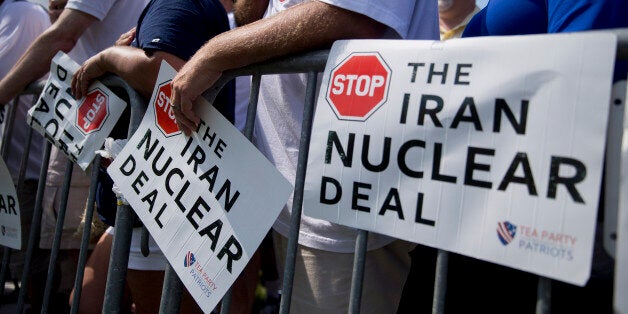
{"points": [[80, 82], [182, 107]]}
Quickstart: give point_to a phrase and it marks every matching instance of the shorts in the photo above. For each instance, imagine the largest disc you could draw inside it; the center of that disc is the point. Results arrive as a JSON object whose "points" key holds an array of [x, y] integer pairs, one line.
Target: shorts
{"points": [[77, 199], [155, 259]]}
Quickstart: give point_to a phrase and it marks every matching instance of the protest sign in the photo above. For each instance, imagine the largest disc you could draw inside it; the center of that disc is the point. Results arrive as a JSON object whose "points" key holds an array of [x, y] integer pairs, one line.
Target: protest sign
{"points": [[208, 200], [10, 225], [77, 127], [489, 147], [621, 260]]}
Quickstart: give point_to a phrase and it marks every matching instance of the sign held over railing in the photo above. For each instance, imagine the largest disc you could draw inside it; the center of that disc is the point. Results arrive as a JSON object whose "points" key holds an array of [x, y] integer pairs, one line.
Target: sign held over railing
{"points": [[489, 147]]}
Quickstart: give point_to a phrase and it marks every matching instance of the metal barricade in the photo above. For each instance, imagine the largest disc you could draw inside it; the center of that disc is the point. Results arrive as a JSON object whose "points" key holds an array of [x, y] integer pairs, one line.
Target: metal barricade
{"points": [[311, 63]]}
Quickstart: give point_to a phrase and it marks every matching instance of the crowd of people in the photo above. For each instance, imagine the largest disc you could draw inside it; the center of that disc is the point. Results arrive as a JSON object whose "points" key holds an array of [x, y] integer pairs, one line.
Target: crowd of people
{"points": [[130, 38]]}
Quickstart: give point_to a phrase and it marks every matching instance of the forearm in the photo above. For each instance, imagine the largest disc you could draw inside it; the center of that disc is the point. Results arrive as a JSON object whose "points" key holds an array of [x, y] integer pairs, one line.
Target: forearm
{"points": [[34, 64], [312, 25]]}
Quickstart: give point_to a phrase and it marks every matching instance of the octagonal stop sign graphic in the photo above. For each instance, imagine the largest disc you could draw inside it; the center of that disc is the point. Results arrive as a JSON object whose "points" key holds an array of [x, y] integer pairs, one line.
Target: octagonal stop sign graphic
{"points": [[164, 116], [358, 86], [92, 112]]}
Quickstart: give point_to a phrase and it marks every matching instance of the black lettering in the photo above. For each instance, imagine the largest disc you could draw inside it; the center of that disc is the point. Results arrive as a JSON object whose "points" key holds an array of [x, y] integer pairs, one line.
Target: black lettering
{"points": [[11, 204], [415, 67], [404, 108], [527, 179], [226, 190], [150, 199], [401, 158], [472, 166], [442, 74], [198, 157], [52, 123], [61, 115], [139, 181], [345, 157], [338, 189], [179, 196], [195, 210], [436, 174], [502, 106], [569, 182], [130, 161], [160, 171], [385, 155], [146, 142], [159, 213], [231, 255], [212, 232], [210, 177], [53, 90], [393, 196], [42, 106], [357, 196], [419, 212], [220, 147], [459, 74], [62, 73], [172, 172], [432, 112], [474, 118]]}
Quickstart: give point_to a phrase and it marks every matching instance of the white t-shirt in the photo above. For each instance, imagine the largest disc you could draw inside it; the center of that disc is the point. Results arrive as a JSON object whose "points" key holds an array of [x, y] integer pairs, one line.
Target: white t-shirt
{"points": [[115, 17], [21, 23], [280, 111], [242, 92]]}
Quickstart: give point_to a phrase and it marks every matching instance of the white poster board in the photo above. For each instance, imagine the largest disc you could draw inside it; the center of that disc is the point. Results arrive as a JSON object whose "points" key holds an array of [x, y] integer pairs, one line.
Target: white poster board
{"points": [[10, 225], [488, 147], [77, 127], [621, 260], [208, 200]]}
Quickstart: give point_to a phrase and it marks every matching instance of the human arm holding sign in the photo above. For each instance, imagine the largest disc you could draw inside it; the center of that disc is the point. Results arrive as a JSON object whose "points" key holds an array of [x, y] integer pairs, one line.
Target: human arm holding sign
{"points": [[308, 26]]}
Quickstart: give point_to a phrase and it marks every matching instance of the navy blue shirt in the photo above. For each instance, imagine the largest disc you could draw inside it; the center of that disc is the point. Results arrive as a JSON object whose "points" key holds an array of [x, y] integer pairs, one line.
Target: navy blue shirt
{"points": [[181, 27]]}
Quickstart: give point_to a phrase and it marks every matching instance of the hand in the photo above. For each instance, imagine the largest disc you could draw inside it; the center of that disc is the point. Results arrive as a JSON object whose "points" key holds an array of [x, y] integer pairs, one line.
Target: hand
{"points": [[90, 70], [126, 39], [188, 85], [55, 7]]}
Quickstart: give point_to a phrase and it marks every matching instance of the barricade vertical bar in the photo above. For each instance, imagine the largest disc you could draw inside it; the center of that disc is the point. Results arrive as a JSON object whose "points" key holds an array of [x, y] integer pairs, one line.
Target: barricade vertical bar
{"points": [[357, 278], [35, 228], [295, 219], [87, 229], [119, 259], [440, 282], [57, 239], [252, 109], [171, 292], [543, 295], [225, 304], [144, 242]]}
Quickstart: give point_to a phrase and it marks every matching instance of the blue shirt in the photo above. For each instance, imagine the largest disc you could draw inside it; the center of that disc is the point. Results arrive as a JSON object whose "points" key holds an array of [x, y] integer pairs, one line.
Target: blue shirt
{"points": [[181, 27], [520, 17]]}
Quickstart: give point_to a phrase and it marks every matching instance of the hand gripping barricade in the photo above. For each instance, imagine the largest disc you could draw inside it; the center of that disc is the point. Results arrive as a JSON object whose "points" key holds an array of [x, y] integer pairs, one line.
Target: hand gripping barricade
{"points": [[310, 63]]}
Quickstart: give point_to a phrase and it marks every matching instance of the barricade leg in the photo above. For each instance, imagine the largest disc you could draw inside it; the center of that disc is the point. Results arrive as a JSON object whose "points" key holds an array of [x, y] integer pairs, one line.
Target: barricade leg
{"points": [[357, 278], [35, 227], [440, 282], [87, 229], [119, 260], [171, 292], [295, 219], [543, 296], [57, 239]]}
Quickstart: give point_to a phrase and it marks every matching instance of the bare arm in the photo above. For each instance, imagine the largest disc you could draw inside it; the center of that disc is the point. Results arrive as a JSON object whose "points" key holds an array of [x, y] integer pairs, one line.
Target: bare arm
{"points": [[132, 64], [35, 62], [311, 25]]}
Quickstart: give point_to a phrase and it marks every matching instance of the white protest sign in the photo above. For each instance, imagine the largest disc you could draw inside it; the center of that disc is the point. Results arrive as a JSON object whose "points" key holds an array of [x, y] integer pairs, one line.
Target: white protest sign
{"points": [[489, 147], [621, 261], [207, 200], [77, 127], [10, 225]]}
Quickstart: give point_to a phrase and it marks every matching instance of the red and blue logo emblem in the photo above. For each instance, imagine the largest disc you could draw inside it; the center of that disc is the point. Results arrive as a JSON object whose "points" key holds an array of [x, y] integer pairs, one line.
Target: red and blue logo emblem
{"points": [[506, 232], [189, 259]]}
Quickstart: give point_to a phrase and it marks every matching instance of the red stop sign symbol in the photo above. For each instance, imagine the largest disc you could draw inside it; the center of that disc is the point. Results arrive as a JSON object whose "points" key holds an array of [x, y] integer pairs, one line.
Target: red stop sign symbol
{"points": [[92, 112], [358, 86], [164, 116]]}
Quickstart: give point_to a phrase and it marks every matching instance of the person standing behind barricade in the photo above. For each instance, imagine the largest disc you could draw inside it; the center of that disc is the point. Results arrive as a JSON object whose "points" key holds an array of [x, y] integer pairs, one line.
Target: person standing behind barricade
{"points": [[170, 30], [84, 28], [20, 23], [520, 17], [324, 255]]}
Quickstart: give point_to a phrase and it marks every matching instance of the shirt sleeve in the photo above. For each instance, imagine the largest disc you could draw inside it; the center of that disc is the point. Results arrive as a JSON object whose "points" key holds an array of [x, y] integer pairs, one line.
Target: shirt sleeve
{"points": [[96, 8]]}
